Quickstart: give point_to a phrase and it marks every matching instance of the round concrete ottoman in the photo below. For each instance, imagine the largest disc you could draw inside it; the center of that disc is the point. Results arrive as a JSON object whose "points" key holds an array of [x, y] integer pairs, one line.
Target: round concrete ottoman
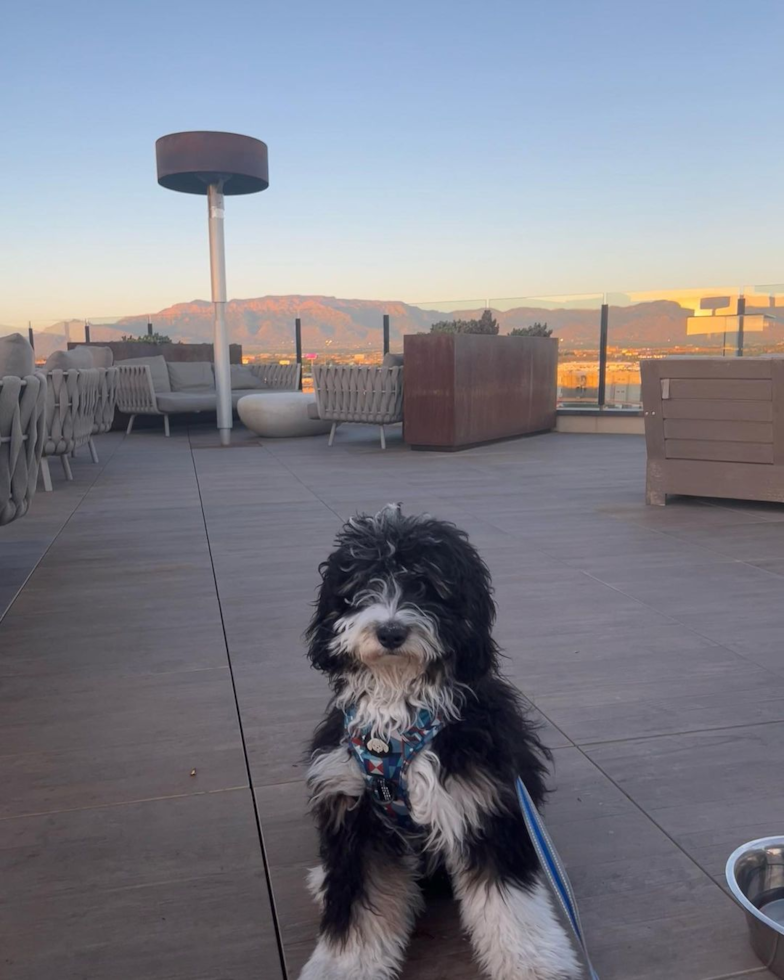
{"points": [[281, 414]]}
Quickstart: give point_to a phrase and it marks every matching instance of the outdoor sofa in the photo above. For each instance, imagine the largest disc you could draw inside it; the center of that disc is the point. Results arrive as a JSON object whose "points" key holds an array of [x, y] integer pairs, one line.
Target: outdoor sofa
{"points": [[154, 386]]}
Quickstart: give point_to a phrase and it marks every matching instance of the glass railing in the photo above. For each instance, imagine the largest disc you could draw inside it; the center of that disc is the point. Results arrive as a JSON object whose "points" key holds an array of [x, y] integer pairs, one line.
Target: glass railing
{"points": [[601, 368], [763, 319], [575, 320], [603, 336], [659, 323], [46, 336]]}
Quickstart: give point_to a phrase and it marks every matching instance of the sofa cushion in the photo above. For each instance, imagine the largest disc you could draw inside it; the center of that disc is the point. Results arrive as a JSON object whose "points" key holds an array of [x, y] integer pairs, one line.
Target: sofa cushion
{"points": [[172, 402], [100, 357], [186, 401], [191, 375], [16, 356], [65, 360], [392, 360], [157, 366], [242, 378], [80, 357]]}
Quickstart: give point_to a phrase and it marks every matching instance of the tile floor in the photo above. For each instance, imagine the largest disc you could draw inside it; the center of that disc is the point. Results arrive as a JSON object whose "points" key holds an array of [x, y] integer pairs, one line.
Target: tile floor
{"points": [[155, 700]]}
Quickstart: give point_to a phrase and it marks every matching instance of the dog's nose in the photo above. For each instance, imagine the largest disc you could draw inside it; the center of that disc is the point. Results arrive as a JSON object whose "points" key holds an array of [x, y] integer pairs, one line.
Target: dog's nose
{"points": [[391, 635]]}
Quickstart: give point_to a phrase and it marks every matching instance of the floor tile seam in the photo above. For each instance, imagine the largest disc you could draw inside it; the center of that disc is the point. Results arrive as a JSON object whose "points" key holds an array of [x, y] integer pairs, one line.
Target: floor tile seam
{"points": [[174, 744], [667, 616], [644, 605], [549, 720], [228, 873], [121, 803], [100, 469], [761, 568], [689, 731], [755, 971], [768, 676], [97, 669], [564, 562], [665, 533], [654, 566], [72, 631], [301, 482], [672, 533], [266, 865], [745, 657], [718, 504], [647, 816]]}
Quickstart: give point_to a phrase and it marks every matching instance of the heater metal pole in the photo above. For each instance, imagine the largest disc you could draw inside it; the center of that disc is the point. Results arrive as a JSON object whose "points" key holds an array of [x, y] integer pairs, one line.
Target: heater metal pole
{"points": [[221, 337], [298, 347]]}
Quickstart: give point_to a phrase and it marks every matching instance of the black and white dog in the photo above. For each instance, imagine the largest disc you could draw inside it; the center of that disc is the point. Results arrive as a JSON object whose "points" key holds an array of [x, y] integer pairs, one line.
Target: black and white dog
{"points": [[413, 768]]}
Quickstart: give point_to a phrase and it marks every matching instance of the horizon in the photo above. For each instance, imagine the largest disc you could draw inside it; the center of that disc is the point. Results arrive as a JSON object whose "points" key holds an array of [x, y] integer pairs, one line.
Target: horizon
{"points": [[683, 296], [522, 152], [637, 322]]}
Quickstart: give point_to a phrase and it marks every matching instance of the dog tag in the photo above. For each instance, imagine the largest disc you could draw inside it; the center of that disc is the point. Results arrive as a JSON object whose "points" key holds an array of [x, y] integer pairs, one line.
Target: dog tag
{"points": [[382, 790], [377, 746]]}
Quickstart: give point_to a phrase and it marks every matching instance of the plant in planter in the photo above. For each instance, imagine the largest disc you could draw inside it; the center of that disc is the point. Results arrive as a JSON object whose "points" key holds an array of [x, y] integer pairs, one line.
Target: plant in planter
{"points": [[486, 324], [148, 338], [535, 330]]}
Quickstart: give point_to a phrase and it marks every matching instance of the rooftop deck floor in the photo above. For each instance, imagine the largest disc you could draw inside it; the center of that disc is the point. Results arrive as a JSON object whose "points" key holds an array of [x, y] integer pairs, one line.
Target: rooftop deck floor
{"points": [[155, 700]]}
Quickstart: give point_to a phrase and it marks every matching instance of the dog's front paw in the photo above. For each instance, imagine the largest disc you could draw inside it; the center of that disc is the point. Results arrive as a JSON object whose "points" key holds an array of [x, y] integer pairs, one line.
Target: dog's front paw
{"points": [[319, 968], [324, 965], [348, 962]]}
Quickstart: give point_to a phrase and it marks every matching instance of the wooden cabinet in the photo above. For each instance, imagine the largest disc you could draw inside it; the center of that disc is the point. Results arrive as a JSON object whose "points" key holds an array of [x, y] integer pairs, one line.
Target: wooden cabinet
{"points": [[714, 427]]}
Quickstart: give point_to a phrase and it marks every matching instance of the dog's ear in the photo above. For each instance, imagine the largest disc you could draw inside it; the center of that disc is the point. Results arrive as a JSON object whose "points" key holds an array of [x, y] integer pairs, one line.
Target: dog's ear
{"points": [[475, 652], [329, 606]]}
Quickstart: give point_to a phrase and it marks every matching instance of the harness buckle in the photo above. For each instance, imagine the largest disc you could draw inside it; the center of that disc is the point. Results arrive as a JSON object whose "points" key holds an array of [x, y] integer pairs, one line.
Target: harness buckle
{"points": [[383, 791]]}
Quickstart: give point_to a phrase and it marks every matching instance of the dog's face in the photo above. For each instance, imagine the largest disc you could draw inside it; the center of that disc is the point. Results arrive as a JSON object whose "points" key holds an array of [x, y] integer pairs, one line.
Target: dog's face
{"points": [[404, 595]]}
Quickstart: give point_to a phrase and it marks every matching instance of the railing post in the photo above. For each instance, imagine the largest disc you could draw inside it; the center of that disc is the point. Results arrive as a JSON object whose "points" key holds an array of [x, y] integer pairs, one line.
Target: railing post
{"points": [[603, 354], [741, 317], [386, 335], [30, 336], [86, 332], [298, 346]]}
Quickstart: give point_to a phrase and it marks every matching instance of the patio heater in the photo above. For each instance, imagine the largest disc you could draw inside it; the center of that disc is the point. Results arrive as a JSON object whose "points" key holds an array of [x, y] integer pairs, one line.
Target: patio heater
{"points": [[215, 164]]}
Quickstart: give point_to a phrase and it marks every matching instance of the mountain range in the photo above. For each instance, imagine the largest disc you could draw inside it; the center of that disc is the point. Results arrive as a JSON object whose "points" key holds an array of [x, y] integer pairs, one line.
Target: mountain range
{"points": [[267, 324]]}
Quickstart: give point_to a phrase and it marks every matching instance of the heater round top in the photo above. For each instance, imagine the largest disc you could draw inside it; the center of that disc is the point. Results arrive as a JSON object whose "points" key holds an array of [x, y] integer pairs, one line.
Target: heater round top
{"points": [[189, 162]]}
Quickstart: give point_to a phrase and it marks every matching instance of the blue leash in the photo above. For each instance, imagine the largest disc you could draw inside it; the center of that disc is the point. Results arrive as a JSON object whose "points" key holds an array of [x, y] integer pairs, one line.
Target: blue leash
{"points": [[553, 869]]}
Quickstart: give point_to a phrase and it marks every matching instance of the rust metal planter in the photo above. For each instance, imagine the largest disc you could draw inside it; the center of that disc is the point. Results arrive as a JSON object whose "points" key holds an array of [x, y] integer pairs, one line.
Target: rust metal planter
{"points": [[462, 390]]}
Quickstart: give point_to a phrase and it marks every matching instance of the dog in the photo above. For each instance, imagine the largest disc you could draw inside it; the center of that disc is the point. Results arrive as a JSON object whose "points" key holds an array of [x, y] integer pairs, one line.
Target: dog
{"points": [[413, 768]]}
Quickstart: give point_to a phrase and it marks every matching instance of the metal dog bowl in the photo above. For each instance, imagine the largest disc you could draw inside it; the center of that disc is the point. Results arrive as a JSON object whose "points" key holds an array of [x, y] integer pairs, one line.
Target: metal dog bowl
{"points": [[755, 874]]}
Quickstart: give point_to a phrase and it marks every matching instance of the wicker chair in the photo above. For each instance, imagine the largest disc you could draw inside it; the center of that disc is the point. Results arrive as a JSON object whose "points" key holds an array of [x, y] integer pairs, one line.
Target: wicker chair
{"points": [[22, 429], [72, 399], [107, 402], [350, 393], [278, 377], [84, 357]]}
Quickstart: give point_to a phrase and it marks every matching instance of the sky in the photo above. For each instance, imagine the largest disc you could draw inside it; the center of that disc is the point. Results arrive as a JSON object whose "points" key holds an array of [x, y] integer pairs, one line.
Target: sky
{"points": [[418, 151]]}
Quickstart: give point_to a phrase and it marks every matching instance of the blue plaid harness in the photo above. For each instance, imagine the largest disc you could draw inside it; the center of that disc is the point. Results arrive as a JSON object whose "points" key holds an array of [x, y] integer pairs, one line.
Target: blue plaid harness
{"points": [[384, 762]]}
